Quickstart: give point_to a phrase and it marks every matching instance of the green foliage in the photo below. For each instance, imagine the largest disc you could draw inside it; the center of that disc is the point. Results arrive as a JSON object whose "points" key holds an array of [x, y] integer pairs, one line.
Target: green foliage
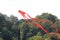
{"points": [[39, 34], [39, 38], [48, 27], [46, 37], [13, 29], [58, 25], [48, 17], [1, 38], [36, 38]]}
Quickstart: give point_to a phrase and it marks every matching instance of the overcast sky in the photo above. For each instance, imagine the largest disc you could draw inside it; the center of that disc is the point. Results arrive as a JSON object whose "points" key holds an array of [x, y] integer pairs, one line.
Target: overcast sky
{"points": [[32, 7]]}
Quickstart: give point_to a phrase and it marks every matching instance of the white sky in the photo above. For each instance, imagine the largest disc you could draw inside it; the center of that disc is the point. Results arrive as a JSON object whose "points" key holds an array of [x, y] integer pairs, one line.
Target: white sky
{"points": [[32, 7]]}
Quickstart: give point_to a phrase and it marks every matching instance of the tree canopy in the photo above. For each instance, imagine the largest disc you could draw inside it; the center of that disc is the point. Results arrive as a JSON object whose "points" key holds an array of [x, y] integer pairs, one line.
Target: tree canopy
{"points": [[13, 29]]}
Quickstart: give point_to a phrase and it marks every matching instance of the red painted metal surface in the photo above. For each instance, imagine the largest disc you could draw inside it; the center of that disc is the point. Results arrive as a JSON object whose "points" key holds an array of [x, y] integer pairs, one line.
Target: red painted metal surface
{"points": [[37, 24]]}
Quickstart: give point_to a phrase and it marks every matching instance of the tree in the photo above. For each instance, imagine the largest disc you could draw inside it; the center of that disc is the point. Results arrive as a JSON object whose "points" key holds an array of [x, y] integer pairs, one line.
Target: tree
{"points": [[13, 19], [6, 35], [24, 29], [36, 38], [13, 29], [1, 38], [48, 17], [46, 37], [58, 24], [2, 21]]}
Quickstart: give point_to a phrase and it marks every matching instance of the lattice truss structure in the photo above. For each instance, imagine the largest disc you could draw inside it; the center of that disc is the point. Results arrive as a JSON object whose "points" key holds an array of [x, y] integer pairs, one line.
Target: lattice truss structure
{"points": [[35, 21]]}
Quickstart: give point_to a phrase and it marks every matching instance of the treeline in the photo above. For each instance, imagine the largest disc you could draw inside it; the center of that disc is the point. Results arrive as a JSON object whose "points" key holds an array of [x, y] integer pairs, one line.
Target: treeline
{"points": [[13, 29]]}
